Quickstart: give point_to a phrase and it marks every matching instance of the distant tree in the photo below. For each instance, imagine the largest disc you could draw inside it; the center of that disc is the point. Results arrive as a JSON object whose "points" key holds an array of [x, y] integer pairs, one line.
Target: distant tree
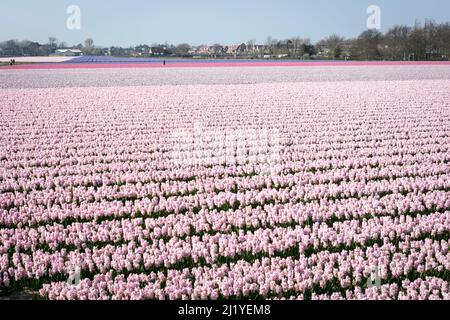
{"points": [[309, 49], [217, 49], [89, 48], [333, 43], [417, 42], [422, 42], [297, 45], [337, 52], [431, 37], [11, 48], [183, 49], [395, 45], [52, 42], [289, 46], [443, 40], [428, 41], [251, 46], [89, 43], [366, 46], [34, 49], [270, 45]]}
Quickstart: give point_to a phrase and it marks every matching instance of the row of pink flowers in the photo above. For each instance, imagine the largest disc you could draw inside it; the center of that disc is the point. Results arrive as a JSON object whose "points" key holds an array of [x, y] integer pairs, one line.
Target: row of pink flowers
{"points": [[95, 180], [270, 275]]}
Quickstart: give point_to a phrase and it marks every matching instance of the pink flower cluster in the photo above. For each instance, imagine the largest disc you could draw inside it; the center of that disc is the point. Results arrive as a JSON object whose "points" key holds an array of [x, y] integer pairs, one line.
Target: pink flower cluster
{"points": [[89, 188]]}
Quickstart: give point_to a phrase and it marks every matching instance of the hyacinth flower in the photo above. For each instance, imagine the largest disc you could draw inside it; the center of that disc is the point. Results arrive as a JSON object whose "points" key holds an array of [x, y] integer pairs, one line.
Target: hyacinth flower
{"points": [[160, 192]]}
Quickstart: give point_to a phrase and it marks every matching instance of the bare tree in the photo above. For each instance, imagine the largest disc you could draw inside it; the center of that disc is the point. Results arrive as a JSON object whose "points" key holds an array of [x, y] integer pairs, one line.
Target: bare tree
{"points": [[271, 45], [367, 45], [251, 46], [53, 42], [333, 44], [395, 43], [217, 49], [443, 36], [431, 36], [297, 45], [89, 43]]}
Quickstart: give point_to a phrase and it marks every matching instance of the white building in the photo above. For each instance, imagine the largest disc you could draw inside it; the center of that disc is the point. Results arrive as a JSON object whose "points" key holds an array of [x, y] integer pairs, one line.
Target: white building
{"points": [[68, 52]]}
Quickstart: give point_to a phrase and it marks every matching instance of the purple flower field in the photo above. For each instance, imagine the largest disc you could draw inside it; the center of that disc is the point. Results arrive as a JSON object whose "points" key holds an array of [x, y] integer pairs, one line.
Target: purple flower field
{"points": [[227, 183]]}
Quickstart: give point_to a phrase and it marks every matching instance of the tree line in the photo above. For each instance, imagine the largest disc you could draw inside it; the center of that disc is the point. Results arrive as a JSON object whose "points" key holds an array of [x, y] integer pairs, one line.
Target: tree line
{"points": [[427, 41]]}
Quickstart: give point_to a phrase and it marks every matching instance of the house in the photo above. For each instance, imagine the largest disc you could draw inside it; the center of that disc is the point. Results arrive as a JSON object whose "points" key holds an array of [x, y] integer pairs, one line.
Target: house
{"points": [[69, 52], [218, 49], [141, 50], [159, 51], [255, 49], [203, 50], [236, 49], [347, 49], [323, 51]]}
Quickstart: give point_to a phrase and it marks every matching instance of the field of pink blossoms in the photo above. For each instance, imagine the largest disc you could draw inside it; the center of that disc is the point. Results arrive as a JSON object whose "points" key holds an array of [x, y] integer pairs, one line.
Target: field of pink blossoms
{"points": [[226, 184]]}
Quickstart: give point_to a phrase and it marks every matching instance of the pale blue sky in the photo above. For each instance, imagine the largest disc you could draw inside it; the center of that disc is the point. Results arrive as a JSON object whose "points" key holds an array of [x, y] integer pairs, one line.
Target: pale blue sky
{"points": [[131, 22]]}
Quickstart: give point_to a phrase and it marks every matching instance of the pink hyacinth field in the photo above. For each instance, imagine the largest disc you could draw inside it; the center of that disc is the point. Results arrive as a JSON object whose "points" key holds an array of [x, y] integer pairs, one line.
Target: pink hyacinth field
{"points": [[264, 182]]}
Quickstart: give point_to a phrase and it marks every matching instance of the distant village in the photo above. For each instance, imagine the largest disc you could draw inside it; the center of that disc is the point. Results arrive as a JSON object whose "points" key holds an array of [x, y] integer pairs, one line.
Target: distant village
{"points": [[430, 41], [244, 50]]}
